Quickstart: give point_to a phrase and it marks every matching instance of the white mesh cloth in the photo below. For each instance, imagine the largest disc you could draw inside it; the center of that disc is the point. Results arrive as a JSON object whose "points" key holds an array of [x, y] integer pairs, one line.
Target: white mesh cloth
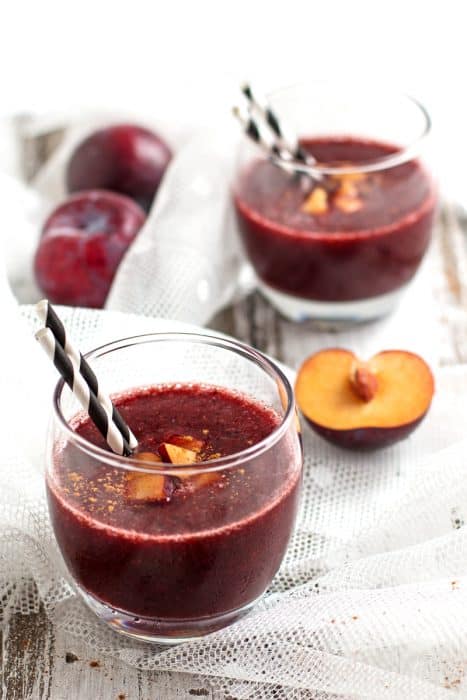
{"points": [[371, 599], [185, 263]]}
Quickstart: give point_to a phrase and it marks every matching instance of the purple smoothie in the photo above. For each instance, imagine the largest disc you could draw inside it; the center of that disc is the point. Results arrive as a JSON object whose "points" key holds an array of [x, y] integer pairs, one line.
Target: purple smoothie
{"points": [[203, 553], [337, 255]]}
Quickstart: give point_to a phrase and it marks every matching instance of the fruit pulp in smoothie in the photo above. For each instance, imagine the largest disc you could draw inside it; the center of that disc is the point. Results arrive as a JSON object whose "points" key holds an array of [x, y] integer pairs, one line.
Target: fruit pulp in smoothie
{"points": [[210, 546], [363, 236]]}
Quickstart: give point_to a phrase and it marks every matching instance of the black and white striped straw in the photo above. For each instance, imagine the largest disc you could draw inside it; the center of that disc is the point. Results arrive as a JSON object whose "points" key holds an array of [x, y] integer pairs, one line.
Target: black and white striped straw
{"points": [[254, 131], [83, 393], [81, 390], [265, 111], [50, 319]]}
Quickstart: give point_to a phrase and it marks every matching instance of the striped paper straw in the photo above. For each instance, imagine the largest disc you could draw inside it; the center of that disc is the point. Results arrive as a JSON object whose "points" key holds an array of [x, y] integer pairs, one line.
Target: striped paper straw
{"points": [[50, 319], [83, 393], [253, 130], [272, 120]]}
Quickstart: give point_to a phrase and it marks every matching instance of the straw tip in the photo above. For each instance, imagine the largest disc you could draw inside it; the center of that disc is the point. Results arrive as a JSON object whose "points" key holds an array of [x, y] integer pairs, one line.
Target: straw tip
{"points": [[42, 333], [42, 306]]}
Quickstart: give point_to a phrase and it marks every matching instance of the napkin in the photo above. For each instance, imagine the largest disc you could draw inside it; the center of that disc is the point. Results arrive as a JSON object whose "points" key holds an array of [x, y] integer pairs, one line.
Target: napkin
{"points": [[371, 599], [186, 261]]}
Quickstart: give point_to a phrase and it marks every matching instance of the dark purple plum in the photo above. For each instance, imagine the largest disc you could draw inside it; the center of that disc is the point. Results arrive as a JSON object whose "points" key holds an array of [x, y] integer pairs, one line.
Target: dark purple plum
{"points": [[123, 158], [83, 241]]}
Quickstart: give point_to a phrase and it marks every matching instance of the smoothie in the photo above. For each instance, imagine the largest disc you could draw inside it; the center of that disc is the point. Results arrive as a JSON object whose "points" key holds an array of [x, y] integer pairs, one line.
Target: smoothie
{"points": [[203, 551], [350, 248]]}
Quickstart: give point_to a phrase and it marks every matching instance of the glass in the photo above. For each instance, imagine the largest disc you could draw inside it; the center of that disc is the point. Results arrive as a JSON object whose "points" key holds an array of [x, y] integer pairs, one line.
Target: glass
{"points": [[348, 254], [175, 570]]}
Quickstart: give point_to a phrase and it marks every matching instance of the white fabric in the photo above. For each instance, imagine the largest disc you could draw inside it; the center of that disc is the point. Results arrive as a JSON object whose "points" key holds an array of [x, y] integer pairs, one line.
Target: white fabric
{"points": [[185, 263], [371, 600]]}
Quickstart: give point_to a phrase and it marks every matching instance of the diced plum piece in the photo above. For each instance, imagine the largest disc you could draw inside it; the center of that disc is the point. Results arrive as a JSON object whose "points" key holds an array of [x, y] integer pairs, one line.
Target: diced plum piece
{"points": [[176, 455], [149, 488], [142, 487], [316, 202], [188, 442]]}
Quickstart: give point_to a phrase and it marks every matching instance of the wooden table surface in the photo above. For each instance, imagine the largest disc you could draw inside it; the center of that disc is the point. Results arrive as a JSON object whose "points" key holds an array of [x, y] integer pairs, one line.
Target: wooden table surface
{"points": [[37, 663]]}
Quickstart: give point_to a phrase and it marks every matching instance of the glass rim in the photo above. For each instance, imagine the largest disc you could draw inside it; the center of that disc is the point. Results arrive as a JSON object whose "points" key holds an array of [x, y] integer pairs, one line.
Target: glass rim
{"points": [[403, 155], [221, 463]]}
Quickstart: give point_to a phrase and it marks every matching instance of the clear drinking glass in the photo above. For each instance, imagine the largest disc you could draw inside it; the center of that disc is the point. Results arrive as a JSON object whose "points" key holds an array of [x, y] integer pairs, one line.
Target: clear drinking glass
{"points": [[347, 253], [178, 569]]}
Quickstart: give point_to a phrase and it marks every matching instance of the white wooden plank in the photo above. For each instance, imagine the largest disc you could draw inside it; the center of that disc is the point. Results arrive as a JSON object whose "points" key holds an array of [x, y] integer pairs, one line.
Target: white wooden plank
{"points": [[41, 664]]}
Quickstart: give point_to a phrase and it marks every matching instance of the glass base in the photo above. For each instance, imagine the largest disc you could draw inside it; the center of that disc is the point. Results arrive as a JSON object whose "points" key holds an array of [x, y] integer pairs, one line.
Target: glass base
{"points": [[331, 314], [166, 631]]}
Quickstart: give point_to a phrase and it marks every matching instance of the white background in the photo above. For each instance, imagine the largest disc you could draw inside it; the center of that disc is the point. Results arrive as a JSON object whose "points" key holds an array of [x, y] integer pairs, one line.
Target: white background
{"points": [[187, 57]]}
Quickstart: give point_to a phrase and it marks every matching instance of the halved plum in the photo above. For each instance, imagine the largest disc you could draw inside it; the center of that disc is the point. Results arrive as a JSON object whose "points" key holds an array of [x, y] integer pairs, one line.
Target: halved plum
{"points": [[364, 405]]}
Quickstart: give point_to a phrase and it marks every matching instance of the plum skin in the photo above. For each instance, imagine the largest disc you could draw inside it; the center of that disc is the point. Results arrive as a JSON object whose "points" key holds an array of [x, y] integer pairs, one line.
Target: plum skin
{"points": [[123, 158], [83, 241], [366, 438]]}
